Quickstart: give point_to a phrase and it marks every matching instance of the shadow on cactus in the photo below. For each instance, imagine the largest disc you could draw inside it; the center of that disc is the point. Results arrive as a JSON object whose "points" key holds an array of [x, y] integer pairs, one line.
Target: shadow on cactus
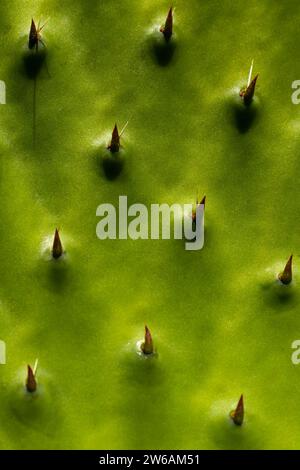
{"points": [[57, 276], [112, 166], [34, 62], [244, 116], [163, 51]]}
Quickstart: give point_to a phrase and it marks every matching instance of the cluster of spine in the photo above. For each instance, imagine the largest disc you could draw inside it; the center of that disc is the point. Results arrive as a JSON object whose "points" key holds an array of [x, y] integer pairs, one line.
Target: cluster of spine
{"points": [[147, 347]]}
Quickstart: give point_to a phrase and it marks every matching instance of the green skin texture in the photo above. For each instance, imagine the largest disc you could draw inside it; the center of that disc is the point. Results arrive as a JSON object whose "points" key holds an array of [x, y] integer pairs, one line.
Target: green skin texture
{"points": [[220, 323]]}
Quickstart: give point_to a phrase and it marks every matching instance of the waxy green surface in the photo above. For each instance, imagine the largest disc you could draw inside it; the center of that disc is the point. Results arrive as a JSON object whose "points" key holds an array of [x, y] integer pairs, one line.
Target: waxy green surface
{"points": [[222, 326]]}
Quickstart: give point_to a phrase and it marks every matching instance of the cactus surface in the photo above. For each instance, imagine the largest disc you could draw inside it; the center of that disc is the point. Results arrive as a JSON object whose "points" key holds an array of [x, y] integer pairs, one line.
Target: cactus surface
{"points": [[222, 322]]}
